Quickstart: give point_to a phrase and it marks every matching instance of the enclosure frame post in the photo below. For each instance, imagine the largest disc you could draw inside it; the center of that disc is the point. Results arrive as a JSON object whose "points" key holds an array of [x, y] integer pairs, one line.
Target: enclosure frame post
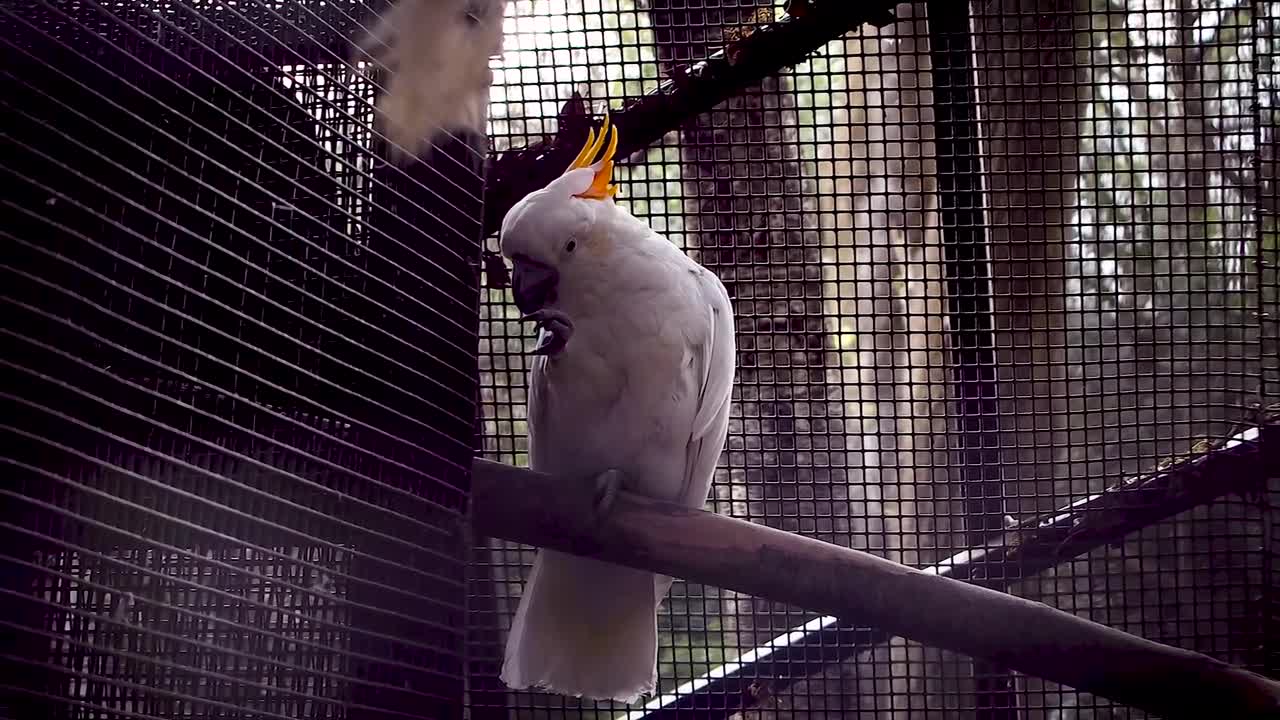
{"points": [[1267, 229], [958, 155]]}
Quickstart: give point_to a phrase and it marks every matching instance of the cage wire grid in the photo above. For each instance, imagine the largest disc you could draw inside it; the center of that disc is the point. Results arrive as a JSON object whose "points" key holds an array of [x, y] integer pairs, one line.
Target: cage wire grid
{"points": [[239, 373], [985, 264]]}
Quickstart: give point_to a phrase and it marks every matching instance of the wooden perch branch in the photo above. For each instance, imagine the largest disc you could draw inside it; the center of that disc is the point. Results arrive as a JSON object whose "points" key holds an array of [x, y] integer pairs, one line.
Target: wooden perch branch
{"points": [[704, 547], [1239, 464], [688, 93]]}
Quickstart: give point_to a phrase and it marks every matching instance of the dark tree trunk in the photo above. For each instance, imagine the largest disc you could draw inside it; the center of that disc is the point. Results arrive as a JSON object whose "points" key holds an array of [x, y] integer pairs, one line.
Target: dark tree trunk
{"points": [[752, 220]]}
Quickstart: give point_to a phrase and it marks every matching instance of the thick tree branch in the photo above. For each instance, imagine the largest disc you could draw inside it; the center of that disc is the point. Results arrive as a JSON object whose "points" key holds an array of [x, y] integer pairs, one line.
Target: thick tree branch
{"points": [[1239, 464], [687, 94], [1030, 637]]}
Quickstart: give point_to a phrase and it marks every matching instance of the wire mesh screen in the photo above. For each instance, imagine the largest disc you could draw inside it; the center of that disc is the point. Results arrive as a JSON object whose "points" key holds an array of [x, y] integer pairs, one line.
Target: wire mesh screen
{"points": [[987, 263], [1267, 82], [239, 372]]}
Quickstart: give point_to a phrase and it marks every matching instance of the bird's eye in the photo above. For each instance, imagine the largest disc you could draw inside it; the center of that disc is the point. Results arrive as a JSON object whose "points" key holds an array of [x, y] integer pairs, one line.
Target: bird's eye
{"points": [[573, 245]]}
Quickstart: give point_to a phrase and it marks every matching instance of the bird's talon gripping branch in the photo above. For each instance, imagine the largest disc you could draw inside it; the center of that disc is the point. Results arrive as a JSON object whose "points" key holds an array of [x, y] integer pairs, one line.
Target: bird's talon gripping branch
{"points": [[608, 483], [557, 329]]}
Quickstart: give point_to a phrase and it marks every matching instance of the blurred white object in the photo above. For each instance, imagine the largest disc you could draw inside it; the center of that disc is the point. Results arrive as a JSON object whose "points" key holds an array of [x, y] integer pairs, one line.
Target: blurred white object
{"points": [[436, 54]]}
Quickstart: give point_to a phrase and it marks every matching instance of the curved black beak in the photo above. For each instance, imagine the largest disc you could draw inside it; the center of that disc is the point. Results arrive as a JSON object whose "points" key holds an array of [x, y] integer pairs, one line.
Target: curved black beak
{"points": [[533, 284]]}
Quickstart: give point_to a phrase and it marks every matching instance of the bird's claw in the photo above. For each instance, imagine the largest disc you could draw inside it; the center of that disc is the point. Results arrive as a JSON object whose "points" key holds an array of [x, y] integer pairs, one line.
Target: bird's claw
{"points": [[558, 329], [608, 483]]}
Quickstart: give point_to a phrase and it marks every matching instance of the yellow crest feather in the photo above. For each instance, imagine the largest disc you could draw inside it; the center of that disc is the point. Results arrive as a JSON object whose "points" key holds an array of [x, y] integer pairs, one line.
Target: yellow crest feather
{"points": [[602, 184]]}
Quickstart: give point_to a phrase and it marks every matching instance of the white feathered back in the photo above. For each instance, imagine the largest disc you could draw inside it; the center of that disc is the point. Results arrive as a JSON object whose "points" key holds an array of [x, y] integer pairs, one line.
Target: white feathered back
{"points": [[643, 387]]}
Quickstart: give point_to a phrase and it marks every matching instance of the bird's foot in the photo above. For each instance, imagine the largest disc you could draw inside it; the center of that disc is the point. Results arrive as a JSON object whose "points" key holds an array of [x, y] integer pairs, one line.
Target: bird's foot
{"points": [[557, 329], [608, 483]]}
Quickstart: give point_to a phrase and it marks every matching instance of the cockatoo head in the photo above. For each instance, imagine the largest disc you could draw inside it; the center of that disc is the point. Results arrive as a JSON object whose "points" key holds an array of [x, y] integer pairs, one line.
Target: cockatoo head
{"points": [[552, 236]]}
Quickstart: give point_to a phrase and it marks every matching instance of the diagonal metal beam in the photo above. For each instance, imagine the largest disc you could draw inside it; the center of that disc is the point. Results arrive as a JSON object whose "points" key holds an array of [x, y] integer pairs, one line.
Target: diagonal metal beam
{"points": [[682, 97]]}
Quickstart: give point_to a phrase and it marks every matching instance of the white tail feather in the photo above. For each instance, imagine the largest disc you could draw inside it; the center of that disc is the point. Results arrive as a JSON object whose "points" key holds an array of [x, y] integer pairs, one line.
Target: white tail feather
{"points": [[586, 628]]}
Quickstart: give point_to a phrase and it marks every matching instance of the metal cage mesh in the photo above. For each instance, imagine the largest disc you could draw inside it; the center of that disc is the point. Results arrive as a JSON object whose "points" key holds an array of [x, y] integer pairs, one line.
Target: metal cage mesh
{"points": [[239, 373], [985, 265]]}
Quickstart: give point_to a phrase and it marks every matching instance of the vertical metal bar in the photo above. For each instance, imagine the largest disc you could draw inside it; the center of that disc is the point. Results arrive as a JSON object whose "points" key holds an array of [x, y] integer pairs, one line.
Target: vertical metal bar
{"points": [[1267, 229], [414, 204], [972, 343], [487, 698]]}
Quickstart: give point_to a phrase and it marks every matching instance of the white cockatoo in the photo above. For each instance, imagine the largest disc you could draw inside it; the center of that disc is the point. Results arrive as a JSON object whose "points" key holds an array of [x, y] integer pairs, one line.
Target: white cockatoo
{"points": [[633, 371], [436, 54]]}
